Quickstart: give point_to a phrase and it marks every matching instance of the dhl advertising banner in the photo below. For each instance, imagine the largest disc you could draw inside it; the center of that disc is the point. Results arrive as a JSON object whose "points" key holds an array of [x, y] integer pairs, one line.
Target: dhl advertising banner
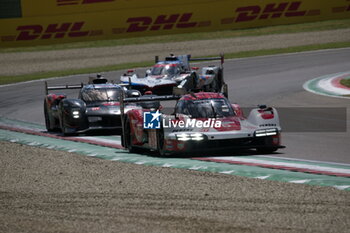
{"points": [[38, 22]]}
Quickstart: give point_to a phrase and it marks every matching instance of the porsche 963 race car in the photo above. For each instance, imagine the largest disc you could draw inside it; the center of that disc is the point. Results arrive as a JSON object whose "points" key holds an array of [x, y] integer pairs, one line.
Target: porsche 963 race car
{"points": [[176, 71], [200, 122], [97, 107]]}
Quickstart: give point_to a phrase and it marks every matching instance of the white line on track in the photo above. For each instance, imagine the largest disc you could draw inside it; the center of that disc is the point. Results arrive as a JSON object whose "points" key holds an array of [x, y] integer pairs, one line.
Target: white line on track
{"points": [[302, 160]]}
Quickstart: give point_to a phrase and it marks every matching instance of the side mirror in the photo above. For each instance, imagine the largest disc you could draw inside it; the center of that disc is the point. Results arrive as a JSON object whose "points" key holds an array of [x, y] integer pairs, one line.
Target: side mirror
{"points": [[237, 109]]}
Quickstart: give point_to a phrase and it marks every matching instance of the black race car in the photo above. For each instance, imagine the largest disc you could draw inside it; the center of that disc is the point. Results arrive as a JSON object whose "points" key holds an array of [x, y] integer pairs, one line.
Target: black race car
{"points": [[97, 107]]}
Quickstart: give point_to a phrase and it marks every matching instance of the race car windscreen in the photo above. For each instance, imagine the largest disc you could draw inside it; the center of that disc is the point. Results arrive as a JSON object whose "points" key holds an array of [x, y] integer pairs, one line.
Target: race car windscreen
{"points": [[207, 108], [165, 70], [100, 94]]}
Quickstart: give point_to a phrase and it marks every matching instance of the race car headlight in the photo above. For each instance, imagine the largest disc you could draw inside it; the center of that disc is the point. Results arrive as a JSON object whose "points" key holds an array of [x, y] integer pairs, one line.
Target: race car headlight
{"points": [[75, 114], [265, 132], [188, 137], [197, 137], [183, 137]]}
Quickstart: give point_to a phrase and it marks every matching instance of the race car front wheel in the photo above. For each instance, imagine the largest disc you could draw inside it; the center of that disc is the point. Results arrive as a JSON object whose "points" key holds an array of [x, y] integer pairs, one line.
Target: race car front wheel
{"points": [[266, 150], [47, 118], [128, 137], [160, 142]]}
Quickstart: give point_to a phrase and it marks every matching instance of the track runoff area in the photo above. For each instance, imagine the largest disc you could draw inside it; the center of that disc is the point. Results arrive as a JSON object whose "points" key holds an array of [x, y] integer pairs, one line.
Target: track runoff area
{"points": [[269, 167]]}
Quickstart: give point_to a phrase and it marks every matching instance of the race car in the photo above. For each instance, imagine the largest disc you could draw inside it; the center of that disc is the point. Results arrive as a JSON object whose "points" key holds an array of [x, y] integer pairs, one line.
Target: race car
{"points": [[175, 71], [97, 107], [200, 122]]}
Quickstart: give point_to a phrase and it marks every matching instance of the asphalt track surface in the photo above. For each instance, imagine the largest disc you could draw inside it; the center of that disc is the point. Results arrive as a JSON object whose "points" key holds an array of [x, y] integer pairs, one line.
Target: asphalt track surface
{"points": [[273, 80]]}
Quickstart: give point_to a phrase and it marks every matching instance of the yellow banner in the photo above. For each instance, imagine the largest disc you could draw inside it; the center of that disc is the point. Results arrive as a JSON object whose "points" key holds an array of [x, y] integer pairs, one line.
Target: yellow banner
{"points": [[59, 7], [111, 19]]}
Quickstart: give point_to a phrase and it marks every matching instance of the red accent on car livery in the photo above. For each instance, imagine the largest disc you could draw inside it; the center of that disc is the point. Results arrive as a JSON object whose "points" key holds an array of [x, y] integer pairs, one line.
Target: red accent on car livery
{"points": [[203, 95], [266, 114], [229, 124], [111, 104], [54, 99], [238, 111], [136, 121], [166, 64]]}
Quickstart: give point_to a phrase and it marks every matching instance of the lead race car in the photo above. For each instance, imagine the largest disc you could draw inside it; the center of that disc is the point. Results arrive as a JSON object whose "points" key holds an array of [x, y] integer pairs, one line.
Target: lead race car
{"points": [[176, 72], [199, 122], [97, 107]]}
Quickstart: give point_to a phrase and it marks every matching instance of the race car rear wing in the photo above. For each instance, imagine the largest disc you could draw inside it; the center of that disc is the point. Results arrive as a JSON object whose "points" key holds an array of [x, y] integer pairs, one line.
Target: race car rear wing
{"points": [[62, 87], [124, 100], [221, 58], [189, 59]]}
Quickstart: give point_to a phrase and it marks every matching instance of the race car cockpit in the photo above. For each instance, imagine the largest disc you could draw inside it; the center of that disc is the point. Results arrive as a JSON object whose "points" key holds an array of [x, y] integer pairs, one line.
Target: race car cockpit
{"points": [[205, 108], [100, 94], [166, 69]]}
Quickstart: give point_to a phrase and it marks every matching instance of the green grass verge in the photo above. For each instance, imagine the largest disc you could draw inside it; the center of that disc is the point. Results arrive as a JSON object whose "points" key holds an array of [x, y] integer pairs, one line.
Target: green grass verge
{"points": [[294, 28], [36, 76], [345, 82]]}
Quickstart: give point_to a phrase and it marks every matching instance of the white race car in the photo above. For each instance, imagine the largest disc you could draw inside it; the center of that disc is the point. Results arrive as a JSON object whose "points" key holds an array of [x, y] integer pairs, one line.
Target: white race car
{"points": [[200, 122], [176, 72]]}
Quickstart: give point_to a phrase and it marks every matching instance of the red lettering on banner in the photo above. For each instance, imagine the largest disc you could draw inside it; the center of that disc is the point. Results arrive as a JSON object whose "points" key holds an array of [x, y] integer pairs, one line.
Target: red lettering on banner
{"points": [[272, 10], [161, 22], [139, 24], [29, 32], [293, 10], [54, 29], [184, 21], [247, 13], [167, 23], [275, 12], [75, 30], [57, 31]]}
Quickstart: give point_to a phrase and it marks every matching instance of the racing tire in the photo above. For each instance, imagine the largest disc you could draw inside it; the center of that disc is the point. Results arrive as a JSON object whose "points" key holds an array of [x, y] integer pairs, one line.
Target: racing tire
{"points": [[266, 150], [128, 137], [47, 119], [63, 128], [160, 142]]}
